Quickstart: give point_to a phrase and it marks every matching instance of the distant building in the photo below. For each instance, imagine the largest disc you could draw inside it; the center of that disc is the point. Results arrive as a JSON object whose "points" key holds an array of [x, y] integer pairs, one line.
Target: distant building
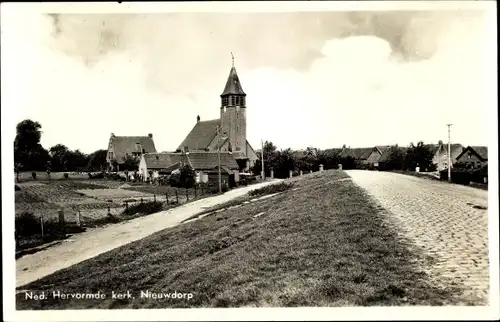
{"points": [[474, 156], [227, 132], [121, 146], [359, 154], [440, 158], [204, 163]]}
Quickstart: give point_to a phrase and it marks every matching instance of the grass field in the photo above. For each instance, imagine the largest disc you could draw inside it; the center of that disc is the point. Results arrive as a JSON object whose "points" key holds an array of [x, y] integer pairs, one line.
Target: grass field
{"points": [[322, 243]]}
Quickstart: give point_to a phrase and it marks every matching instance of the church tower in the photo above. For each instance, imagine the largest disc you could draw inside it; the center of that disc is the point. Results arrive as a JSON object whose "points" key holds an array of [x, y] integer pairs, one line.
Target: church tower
{"points": [[233, 113]]}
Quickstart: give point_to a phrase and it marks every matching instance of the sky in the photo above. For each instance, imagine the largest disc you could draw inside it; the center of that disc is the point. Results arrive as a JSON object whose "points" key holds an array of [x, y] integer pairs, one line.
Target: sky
{"points": [[321, 79]]}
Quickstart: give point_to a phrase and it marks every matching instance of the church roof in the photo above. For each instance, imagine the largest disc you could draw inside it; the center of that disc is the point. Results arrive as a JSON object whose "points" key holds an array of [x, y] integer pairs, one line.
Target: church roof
{"points": [[123, 145], [233, 85], [202, 134]]}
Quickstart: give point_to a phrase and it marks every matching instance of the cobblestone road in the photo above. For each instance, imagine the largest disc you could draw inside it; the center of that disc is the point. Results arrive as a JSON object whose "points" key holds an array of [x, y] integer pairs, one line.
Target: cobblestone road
{"points": [[446, 221]]}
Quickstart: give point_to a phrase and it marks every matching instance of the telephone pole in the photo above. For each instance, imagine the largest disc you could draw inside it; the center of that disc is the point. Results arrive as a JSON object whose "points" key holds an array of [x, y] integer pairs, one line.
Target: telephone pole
{"points": [[262, 157], [449, 152]]}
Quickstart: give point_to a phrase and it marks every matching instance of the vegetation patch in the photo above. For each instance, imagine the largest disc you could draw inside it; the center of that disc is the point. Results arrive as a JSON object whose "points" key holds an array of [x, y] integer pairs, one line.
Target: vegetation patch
{"points": [[144, 208], [272, 188]]}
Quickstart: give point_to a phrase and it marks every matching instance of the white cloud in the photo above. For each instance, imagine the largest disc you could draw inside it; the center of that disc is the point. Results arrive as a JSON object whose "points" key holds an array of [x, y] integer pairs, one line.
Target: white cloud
{"points": [[357, 94]]}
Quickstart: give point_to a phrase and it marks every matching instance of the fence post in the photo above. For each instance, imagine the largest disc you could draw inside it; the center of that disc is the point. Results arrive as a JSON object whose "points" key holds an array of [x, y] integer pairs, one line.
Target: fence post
{"points": [[109, 210], [290, 173], [41, 224], [166, 196], [126, 204], [195, 192], [154, 196], [78, 218], [141, 201], [187, 194], [61, 220], [176, 195]]}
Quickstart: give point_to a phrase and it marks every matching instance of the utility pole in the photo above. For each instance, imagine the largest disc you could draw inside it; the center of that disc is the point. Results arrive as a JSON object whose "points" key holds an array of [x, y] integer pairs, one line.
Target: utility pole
{"points": [[449, 152], [263, 175], [218, 157]]}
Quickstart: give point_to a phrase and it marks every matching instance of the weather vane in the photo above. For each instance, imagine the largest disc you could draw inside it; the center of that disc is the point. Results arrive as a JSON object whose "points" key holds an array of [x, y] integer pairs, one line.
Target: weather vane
{"points": [[232, 58]]}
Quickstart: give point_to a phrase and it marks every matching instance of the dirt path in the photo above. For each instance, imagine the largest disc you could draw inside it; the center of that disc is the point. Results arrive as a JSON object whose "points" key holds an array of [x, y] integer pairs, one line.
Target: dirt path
{"points": [[447, 221], [92, 243]]}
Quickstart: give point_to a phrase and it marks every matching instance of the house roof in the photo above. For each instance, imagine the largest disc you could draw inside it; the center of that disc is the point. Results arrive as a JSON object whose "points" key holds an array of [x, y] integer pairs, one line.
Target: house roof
{"points": [[198, 160], [201, 160], [163, 160], [455, 147], [356, 153], [481, 151], [202, 134], [123, 145], [233, 85], [387, 153]]}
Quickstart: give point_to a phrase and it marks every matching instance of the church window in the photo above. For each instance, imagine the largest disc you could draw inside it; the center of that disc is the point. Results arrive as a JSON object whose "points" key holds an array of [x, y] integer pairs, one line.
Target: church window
{"points": [[232, 101], [243, 101]]}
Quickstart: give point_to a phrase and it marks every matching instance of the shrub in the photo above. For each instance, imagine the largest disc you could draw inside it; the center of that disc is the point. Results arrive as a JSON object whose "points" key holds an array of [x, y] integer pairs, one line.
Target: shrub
{"points": [[143, 208], [224, 187], [17, 188], [270, 189], [26, 224], [66, 175]]}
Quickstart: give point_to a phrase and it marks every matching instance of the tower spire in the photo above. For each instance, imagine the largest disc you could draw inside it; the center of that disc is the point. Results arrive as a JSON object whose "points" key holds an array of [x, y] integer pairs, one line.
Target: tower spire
{"points": [[232, 58]]}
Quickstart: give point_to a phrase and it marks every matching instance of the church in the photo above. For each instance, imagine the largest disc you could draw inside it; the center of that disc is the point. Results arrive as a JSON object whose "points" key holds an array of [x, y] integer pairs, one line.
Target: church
{"points": [[229, 132]]}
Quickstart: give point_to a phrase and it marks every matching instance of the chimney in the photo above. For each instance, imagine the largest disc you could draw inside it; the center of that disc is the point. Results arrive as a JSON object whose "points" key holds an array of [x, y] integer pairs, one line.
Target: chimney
{"points": [[112, 135], [150, 135], [343, 147], [197, 119], [440, 142]]}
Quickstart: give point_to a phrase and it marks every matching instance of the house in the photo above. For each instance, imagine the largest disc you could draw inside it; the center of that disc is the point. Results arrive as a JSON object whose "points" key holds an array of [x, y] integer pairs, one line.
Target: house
{"points": [[204, 163], [359, 154], [375, 155], [440, 158], [473, 156], [382, 162], [121, 146], [227, 132]]}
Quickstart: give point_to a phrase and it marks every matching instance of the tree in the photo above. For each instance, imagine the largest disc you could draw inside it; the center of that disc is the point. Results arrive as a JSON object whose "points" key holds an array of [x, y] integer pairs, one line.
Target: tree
{"points": [[184, 178], [97, 160], [396, 159], [27, 148], [60, 155], [419, 156], [130, 163]]}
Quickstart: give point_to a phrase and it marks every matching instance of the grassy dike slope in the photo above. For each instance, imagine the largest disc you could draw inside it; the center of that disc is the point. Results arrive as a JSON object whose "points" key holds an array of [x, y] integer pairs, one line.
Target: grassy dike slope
{"points": [[321, 243]]}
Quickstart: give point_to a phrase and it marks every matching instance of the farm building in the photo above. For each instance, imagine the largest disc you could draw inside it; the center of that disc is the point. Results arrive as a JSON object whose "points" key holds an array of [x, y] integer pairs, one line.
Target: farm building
{"points": [[204, 163], [359, 154], [474, 156], [227, 132], [375, 155], [121, 146]]}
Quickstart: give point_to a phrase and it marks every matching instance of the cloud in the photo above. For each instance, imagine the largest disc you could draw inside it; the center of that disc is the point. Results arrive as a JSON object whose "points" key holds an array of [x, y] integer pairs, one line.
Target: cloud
{"points": [[321, 79]]}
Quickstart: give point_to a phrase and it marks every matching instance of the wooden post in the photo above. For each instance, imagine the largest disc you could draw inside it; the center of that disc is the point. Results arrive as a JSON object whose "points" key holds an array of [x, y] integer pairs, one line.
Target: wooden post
{"points": [[195, 192], [166, 196], [142, 200], [154, 196], [187, 194], [291, 173], [126, 204], [176, 195], [62, 224], [109, 210], [78, 218], [41, 224], [301, 172]]}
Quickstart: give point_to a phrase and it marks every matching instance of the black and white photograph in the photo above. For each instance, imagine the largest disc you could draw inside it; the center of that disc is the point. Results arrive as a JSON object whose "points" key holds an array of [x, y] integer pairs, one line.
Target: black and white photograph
{"points": [[232, 158]]}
